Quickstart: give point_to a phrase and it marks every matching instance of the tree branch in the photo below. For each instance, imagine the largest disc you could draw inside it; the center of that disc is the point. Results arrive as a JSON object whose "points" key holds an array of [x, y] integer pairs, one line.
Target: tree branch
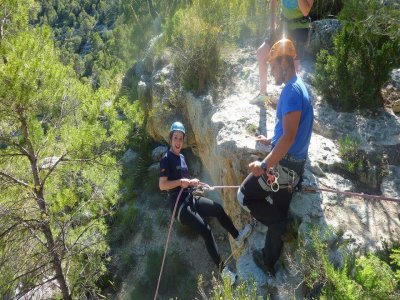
{"points": [[52, 169], [13, 179]]}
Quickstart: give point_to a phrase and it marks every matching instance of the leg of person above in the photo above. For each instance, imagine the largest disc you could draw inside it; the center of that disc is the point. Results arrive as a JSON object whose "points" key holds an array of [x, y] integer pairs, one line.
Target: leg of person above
{"points": [[262, 53], [194, 220], [300, 38]]}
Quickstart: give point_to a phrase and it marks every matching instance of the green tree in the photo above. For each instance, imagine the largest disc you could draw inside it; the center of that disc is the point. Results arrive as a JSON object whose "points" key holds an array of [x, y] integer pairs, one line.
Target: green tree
{"points": [[58, 174], [366, 49]]}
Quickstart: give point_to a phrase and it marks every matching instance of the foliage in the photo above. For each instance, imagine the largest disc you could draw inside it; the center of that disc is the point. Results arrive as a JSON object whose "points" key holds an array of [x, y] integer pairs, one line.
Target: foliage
{"points": [[58, 139], [245, 290], [348, 150], [197, 50], [367, 48], [197, 33], [355, 278], [395, 257], [376, 277]]}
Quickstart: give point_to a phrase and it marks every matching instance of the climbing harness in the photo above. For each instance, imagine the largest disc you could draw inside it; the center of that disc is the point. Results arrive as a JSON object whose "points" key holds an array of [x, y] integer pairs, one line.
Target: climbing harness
{"points": [[272, 179], [167, 241]]}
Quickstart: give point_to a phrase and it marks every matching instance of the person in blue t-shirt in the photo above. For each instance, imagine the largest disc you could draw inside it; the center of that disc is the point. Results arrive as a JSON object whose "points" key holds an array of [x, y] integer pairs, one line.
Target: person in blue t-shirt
{"points": [[280, 171], [192, 211]]}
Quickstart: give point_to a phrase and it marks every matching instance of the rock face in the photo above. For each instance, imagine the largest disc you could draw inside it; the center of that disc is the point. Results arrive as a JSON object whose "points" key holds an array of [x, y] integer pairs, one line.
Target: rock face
{"points": [[221, 132], [322, 33]]}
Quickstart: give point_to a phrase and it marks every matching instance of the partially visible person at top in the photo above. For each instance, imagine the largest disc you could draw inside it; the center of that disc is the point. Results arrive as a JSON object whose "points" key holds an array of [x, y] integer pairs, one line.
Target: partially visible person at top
{"points": [[267, 191], [294, 24], [192, 210]]}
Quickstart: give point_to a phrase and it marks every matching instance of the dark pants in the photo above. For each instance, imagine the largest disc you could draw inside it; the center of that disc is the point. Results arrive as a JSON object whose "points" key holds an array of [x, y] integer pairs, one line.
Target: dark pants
{"points": [[273, 215], [193, 213]]}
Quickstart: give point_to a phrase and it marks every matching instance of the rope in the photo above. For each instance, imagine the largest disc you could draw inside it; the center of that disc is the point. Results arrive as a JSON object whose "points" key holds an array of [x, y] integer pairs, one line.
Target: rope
{"points": [[166, 243], [311, 189]]}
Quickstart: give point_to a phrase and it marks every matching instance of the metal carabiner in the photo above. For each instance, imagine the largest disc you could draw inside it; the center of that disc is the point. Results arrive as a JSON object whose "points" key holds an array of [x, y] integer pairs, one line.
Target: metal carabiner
{"points": [[275, 186]]}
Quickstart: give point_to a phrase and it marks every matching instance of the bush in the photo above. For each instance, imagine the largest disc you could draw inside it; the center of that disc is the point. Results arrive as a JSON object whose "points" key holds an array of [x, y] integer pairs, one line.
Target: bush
{"points": [[245, 290], [366, 49], [196, 48], [376, 277]]}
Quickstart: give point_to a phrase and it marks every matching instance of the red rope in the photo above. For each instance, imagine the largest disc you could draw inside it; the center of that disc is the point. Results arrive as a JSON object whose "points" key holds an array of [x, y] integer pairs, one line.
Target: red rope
{"points": [[312, 189], [362, 195], [166, 243]]}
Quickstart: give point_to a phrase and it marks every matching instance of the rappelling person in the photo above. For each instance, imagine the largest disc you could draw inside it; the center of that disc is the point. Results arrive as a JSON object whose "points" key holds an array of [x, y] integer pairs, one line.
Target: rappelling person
{"points": [[267, 191], [192, 210]]}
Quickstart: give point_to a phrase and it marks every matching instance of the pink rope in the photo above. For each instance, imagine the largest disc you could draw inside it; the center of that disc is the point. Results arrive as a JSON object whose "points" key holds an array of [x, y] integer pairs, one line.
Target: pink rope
{"points": [[314, 189], [166, 243], [362, 195]]}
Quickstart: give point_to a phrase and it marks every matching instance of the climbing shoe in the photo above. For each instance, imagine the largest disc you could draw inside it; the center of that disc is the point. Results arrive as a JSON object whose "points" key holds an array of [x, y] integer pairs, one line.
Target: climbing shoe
{"points": [[243, 235], [258, 258], [260, 99], [229, 275]]}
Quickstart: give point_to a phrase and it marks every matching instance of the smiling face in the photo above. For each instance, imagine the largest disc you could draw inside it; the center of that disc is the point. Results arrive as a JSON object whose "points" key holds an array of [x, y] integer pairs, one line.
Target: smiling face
{"points": [[177, 141]]}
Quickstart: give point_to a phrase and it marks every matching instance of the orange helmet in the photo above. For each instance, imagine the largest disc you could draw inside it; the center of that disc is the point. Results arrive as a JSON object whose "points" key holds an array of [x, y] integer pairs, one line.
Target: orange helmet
{"points": [[281, 48]]}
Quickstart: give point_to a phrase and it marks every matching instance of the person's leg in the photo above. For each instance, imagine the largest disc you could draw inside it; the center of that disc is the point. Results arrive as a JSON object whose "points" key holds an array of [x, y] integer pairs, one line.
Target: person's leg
{"points": [[273, 240], [299, 38], [208, 208], [262, 54], [273, 243], [194, 220]]}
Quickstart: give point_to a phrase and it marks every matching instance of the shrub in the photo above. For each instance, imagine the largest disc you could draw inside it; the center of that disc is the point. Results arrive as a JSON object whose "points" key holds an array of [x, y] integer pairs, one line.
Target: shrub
{"points": [[196, 48], [348, 149], [376, 277], [245, 290], [366, 49]]}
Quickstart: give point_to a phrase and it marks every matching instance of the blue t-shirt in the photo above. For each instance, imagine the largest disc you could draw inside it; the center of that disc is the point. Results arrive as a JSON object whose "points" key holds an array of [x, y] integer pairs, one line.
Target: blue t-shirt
{"points": [[174, 167], [294, 97]]}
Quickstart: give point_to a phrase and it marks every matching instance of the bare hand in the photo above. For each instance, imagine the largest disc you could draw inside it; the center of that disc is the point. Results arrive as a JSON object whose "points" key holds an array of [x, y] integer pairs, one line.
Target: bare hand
{"points": [[263, 140], [185, 183], [194, 182], [255, 168]]}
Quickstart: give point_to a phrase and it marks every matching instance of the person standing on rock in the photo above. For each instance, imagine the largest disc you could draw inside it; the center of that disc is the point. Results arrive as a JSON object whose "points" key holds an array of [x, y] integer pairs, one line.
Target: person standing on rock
{"points": [[294, 25], [267, 191], [192, 211]]}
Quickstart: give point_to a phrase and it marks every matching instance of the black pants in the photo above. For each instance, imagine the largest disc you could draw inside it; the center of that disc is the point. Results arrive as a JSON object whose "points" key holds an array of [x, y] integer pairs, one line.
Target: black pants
{"points": [[193, 213], [273, 215]]}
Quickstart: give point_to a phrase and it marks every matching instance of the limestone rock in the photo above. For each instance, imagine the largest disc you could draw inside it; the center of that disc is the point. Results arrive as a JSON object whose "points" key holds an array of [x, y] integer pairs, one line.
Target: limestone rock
{"points": [[322, 33], [129, 156], [158, 153]]}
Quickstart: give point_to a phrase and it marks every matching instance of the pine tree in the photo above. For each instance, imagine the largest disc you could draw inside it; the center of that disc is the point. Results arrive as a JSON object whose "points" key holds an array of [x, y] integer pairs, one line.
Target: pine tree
{"points": [[58, 177]]}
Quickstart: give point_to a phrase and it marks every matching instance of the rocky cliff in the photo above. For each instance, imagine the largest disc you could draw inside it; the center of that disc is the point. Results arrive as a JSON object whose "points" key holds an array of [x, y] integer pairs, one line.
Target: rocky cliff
{"points": [[221, 130]]}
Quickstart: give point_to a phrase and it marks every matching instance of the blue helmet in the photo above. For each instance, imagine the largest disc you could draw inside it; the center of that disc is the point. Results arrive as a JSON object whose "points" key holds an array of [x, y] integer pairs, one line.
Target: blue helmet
{"points": [[177, 126]]}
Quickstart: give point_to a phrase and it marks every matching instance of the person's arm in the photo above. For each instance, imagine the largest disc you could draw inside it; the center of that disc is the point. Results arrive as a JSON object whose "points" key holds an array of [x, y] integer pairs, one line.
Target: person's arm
{"points": [[305, 6], [290, 125], [165, 184]]}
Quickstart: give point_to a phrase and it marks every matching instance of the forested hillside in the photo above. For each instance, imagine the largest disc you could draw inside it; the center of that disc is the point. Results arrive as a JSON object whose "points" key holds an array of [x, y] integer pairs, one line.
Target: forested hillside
{"points": [[70, 114]]}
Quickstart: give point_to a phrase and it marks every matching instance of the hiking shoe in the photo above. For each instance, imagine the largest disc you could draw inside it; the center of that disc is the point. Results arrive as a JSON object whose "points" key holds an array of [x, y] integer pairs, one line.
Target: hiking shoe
{"points": [[260, 99], [243, 235], [229, 275], [258, 258]]}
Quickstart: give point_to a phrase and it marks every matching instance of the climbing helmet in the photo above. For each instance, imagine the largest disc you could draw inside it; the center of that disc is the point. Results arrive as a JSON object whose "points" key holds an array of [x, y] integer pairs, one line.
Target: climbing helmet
{"points": [[283, 47], [177, 126]]}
